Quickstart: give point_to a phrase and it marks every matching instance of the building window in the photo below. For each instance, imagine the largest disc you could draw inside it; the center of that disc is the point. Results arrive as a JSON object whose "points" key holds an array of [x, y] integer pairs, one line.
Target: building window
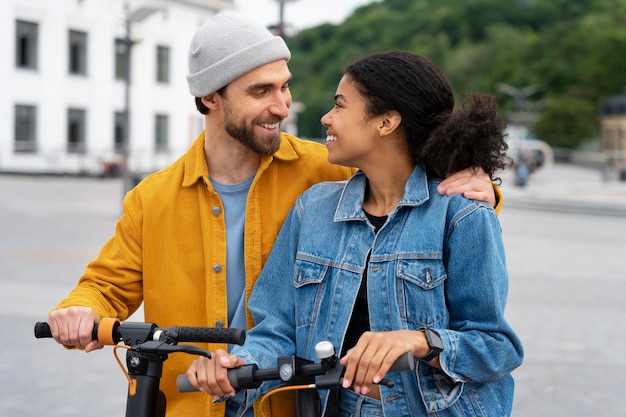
{"points": [[76, 122], [77, 52], [25, 128], [121, 56], [163, 64], [26, 38], [160, 132], [120, 132]]}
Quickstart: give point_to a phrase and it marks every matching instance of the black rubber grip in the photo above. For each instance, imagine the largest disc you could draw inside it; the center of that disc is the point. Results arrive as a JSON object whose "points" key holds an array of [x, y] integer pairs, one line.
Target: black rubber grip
{"points": [[183, 384], [42, 329], [242, 377], [210, 334], [246, 376], [405, 362]]}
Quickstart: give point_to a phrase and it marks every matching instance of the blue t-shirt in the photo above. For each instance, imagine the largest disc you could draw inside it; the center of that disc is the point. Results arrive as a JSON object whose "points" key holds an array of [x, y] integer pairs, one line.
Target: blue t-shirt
{"points": [[234, 197]]}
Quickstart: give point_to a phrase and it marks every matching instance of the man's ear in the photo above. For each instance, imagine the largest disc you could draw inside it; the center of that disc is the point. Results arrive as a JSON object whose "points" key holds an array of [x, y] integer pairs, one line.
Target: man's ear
{"points": [[211, 101], [389, 122]]}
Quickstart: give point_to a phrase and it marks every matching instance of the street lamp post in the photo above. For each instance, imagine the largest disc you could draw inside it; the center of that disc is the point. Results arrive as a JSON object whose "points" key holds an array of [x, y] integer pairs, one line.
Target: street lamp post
{"points": [[522, 113], [130, 17], [281, 17]]}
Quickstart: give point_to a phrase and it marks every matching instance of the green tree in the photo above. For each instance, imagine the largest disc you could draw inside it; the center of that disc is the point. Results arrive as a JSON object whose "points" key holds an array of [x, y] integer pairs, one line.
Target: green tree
{"points": [[566, 122], [574, 49]]}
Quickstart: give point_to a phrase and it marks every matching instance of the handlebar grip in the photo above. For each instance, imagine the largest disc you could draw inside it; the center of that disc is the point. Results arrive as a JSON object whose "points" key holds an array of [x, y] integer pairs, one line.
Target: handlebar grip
{"points": [[104, 332], [42, 329], [242, 377], [183, 384], [210, 334], [405, 362]]}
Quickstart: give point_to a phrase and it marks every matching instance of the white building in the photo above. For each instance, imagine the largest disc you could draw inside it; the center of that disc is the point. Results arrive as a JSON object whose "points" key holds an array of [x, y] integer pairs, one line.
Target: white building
{"points": [[63, 83]]}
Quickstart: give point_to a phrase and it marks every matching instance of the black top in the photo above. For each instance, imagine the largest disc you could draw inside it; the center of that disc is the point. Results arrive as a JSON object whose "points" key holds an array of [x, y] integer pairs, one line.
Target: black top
{"points": [[359, 322]]}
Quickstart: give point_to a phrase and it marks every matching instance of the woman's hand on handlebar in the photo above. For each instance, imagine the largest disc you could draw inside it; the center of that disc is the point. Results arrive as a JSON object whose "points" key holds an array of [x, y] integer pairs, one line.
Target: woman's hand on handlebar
{"points": [[368, 362], [73, 327], [210, 375]]}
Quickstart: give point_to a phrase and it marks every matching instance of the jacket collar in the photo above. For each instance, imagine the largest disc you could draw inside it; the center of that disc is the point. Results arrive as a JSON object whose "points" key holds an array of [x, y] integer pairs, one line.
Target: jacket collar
{"points": [[196, 167], [350, 204]]}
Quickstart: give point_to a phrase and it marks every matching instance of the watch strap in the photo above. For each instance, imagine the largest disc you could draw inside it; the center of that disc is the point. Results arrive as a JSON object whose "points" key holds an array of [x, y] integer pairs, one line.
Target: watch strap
{"points": [[435, 346]]}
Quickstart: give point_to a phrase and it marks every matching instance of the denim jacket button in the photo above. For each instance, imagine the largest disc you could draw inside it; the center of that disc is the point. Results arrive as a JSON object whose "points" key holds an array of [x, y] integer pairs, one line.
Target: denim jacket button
{"points": [[217, 268], [216, 210], [219, 324]]}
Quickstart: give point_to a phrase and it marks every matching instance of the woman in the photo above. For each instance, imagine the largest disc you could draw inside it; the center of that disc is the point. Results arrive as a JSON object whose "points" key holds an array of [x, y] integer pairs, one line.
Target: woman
{"points": [[381, 264]]}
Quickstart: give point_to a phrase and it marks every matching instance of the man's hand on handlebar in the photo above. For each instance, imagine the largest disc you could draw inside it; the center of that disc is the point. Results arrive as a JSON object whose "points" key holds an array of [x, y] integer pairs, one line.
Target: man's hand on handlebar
{"points": [[73, 327], [210, 375]]}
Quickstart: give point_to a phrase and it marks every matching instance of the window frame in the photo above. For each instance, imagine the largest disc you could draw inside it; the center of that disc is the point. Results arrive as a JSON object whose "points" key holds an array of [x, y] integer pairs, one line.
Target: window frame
{"points": [[77, 52], [121, 56], [163, 54], [161, 132], [119, 132], [76, 130], [26, 44], [25, 129]]}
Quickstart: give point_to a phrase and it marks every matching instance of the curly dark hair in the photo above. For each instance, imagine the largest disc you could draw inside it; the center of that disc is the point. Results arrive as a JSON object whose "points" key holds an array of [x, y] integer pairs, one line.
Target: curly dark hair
{"points": [[444, 140]]}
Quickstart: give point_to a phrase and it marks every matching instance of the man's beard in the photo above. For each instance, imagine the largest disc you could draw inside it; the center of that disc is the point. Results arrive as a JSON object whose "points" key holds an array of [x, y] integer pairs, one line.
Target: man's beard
{"points": [[262, 145]]}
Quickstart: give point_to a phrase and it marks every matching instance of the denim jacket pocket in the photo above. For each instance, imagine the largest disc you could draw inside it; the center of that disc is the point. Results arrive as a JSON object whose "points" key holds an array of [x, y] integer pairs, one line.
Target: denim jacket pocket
{"points": [[420, 291], [308, 280], [426, 273]]}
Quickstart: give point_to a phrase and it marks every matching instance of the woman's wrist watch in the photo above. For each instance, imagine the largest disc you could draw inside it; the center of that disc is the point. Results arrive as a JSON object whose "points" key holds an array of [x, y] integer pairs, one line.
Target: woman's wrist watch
{"points": [[434, 343]]}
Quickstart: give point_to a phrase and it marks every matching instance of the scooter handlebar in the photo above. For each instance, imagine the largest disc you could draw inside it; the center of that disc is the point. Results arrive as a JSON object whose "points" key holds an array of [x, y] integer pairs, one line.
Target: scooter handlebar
{"points": [[110, 332], [249, 376]]}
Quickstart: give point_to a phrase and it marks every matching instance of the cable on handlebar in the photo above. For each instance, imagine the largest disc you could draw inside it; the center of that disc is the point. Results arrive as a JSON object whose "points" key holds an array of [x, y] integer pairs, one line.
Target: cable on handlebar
{"points": [[281, 389], [132, 383]]}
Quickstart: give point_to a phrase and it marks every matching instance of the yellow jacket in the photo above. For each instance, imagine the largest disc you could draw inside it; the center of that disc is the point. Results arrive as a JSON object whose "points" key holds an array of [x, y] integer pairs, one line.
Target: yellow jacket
{"points": [[169, 250]]}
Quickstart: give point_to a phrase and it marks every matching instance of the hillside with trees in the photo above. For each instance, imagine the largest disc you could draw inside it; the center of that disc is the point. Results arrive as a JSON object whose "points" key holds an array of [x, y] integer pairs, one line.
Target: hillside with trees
{"points": [[559, 58]]}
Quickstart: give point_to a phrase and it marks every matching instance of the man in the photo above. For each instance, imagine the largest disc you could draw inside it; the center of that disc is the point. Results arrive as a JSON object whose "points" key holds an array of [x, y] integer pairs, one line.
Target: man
{"points": [[194, 236]]}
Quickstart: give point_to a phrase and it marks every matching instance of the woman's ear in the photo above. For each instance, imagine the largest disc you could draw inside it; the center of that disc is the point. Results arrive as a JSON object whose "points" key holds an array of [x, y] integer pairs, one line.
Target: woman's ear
{"points": [[389, 122]]}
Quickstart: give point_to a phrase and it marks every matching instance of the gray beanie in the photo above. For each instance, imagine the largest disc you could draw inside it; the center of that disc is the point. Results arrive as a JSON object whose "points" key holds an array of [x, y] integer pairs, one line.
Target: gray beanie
{"points": [[227, 47]]}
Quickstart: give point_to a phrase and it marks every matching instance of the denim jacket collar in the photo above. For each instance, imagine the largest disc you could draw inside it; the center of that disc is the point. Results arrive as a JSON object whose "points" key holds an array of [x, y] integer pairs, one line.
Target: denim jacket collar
{"points": [[350, 206]]}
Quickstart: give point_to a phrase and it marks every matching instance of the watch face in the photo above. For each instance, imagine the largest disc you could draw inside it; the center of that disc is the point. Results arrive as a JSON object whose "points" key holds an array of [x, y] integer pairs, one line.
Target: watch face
{"points": [[434, 340]]}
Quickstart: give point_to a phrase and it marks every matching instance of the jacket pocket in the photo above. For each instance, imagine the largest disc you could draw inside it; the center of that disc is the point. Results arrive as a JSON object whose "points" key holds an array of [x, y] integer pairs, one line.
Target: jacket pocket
{"points": [[308, 279], [420, 289]]}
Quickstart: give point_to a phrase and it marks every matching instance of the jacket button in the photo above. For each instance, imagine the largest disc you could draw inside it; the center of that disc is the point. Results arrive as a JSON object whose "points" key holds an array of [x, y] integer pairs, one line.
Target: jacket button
{"points": [[217, 268], [219, 323], [216, 211]]}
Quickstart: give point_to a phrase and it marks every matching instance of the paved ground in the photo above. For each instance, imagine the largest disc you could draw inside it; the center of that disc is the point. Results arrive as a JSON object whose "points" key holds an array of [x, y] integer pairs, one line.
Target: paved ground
{"points": [[566, 293], [566, 289], [49, 229], [567, 188]]}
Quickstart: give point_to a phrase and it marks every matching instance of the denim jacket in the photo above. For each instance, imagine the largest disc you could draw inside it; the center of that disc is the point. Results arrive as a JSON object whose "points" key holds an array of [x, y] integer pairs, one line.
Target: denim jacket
{"points": [[437, 262]]}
